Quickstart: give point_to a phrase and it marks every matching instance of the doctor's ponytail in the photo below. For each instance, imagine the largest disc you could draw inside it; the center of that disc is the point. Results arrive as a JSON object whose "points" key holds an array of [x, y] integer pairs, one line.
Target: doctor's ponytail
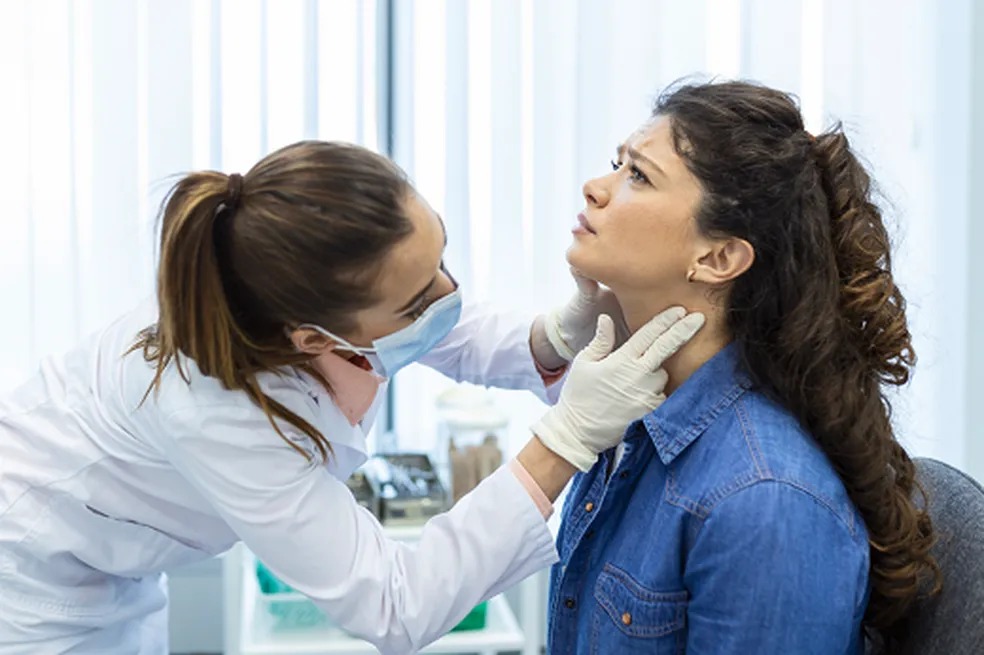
{"points": [[244, 258]]}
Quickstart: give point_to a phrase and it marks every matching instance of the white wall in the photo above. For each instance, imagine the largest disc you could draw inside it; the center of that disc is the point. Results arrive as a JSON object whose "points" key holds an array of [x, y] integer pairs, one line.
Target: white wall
{"points": [[196, 608], [973, 273]]}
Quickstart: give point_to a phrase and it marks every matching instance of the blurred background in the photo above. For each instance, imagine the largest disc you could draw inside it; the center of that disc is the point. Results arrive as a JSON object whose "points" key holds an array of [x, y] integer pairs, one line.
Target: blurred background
{"points": [[499, 111]]}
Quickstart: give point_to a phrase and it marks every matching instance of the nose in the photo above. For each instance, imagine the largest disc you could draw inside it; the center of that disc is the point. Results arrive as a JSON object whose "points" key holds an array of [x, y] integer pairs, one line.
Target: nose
{"points": [[445, 283], [596, 192]]}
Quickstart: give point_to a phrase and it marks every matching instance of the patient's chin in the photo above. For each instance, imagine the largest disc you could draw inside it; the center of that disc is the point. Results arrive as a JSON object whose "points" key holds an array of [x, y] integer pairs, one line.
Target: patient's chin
{"points": [[587, 265]]}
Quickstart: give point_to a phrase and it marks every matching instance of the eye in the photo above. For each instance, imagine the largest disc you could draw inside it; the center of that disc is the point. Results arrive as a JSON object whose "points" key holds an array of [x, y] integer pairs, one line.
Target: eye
{"points": [[638, 176], [635, 174], [419, 309]]}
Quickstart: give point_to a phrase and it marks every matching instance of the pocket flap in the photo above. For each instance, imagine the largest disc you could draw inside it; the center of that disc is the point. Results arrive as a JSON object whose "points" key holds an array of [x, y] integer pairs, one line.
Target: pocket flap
{"points": [[636, 610]]}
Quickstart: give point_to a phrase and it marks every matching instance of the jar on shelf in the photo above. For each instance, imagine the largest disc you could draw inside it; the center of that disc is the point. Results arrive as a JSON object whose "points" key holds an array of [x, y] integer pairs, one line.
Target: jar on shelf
{"points": [[471, 431]]}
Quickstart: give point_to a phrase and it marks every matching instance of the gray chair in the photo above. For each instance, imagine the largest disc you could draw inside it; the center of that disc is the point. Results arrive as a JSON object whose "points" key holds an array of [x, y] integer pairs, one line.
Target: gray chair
{"points": [[952, 623]]}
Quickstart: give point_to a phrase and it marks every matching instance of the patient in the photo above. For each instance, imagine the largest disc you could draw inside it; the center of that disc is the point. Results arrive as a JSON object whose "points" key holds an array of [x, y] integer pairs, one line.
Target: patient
{"points": [[766, 506]]}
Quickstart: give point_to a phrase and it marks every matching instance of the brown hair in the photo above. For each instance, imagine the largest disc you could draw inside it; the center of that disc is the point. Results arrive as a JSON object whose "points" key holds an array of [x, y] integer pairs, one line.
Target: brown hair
{"points": [[818, 319], [243, 259]]}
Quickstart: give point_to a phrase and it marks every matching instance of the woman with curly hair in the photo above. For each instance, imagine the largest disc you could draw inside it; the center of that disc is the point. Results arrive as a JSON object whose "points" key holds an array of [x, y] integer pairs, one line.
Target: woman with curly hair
{"points": [[766, 506]]}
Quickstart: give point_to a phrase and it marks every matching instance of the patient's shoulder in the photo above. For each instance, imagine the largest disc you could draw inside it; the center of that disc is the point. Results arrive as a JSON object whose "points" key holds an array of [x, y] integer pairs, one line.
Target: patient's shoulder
{"points": [[756, 440]]}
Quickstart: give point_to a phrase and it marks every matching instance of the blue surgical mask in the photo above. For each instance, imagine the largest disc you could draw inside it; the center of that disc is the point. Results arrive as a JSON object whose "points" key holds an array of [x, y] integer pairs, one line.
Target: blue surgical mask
{"points": [[394, 351]]}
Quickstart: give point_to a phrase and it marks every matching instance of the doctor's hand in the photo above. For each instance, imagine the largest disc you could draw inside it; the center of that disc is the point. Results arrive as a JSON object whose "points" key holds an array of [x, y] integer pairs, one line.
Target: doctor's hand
{"points": [[605, 391], [564, 332]]}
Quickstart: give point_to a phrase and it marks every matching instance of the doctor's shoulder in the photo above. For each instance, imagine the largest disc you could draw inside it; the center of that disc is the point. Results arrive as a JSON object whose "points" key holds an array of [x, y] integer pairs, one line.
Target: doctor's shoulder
{"points": [[182, 402]]}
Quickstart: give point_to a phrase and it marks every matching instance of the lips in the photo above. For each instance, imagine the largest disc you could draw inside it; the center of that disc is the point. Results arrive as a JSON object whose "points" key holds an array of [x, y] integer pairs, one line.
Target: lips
{"points": [[583, 222]]}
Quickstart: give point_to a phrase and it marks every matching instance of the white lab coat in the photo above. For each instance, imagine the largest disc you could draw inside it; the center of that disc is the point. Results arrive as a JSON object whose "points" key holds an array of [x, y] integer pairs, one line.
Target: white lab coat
{"points": [[99, 494]]}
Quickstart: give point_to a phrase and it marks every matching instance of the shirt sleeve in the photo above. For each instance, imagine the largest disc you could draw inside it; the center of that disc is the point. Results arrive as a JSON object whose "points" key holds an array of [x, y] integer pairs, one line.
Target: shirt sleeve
{"points": [[493, 349], [773, 571], [532, 488], [306, 526], [550, 375]]}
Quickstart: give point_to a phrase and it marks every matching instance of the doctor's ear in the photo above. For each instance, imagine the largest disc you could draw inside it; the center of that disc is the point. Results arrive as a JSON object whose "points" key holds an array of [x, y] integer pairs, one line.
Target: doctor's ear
{"points": [[722, 260], [310, 341]]}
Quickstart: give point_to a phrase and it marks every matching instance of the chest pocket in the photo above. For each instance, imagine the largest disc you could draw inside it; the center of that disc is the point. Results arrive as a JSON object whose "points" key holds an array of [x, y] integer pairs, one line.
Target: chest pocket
{"points": [[132, 549], [629, 618]]}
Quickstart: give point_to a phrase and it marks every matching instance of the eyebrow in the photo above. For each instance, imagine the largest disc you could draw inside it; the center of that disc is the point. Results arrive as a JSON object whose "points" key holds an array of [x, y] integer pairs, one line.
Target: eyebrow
{"points": [[635, 154], [423, 292]]}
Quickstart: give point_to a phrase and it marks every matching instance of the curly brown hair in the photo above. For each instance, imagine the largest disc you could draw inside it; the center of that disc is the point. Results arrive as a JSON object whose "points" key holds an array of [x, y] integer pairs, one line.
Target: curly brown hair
{"points": [[818, 319]]}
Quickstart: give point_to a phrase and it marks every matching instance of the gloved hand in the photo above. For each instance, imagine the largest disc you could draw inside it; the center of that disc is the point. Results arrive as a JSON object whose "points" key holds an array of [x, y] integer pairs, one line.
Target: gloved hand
{"points": [[570, 328], [605, 391]]}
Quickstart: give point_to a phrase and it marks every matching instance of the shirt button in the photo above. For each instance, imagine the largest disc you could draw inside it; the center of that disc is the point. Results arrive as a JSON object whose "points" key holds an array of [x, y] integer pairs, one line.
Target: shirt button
{"points": [[623, 475], [589, 507], [589, 534], [569, 603], [627, 619]]}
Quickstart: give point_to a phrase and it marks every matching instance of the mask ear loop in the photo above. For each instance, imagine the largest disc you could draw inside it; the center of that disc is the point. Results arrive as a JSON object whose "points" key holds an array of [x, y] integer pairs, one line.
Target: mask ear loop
{"points": [[345, 345]]}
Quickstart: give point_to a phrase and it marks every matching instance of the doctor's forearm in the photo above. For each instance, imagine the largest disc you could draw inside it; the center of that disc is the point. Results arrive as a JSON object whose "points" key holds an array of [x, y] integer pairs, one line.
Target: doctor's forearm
{"points": [[550, 471]]}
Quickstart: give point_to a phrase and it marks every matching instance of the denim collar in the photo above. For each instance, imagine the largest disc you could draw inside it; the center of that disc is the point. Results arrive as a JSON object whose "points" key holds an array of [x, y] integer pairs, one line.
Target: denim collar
{"points": [[689, 410]]}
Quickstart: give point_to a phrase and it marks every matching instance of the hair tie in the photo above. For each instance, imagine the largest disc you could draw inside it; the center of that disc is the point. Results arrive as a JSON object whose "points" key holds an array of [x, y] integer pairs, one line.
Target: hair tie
{"points": [[234, 190]]}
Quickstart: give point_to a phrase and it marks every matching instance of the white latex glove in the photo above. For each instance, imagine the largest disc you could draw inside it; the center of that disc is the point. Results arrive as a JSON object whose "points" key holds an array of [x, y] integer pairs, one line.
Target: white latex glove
{"points": [[571, 327], [605, 391]]}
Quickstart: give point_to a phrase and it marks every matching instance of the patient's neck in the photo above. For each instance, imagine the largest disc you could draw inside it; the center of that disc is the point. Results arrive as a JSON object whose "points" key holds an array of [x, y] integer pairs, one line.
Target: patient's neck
{"points": [[711, 339]]}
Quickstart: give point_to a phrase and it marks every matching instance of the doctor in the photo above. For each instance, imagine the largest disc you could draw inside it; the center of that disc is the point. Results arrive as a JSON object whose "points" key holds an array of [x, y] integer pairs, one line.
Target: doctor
{"points": [[235, 406]]}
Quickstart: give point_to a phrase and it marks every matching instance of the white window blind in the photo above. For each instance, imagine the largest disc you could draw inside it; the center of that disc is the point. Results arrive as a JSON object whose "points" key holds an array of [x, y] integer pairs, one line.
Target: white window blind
{"points": [[108, 99], [505, 108], [501, 110]]}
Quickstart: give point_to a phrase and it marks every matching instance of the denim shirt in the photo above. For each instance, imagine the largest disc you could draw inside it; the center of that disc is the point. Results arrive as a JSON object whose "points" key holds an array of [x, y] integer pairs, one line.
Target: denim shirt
{"points": [[722, 529]]}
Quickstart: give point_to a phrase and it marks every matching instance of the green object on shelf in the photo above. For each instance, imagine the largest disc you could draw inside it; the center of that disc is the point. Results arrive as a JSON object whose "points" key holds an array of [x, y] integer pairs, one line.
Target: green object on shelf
{"points": [[289, 613], [293, 612], [296, 614], [269, 583], [474, 620]]}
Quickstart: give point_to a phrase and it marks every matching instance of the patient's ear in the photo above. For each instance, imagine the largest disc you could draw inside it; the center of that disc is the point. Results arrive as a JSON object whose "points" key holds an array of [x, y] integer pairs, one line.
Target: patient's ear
{"points": [[719, 261]]}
